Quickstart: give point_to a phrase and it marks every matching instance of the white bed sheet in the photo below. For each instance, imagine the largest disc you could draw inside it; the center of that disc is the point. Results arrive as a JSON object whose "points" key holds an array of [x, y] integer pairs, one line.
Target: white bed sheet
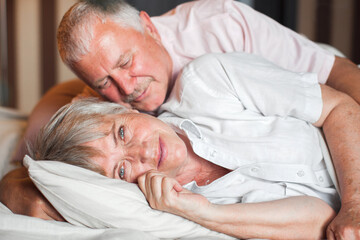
{"points": [[12, 127], [18, 227]]}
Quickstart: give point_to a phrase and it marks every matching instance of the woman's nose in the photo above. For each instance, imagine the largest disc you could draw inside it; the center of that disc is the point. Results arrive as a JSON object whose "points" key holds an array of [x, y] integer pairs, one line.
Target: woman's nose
{"points": [[142, 151]]}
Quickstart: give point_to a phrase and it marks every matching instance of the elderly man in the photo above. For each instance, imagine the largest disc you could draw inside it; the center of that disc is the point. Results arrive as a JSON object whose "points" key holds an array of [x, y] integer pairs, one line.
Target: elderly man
{"points": [[130, 58]]}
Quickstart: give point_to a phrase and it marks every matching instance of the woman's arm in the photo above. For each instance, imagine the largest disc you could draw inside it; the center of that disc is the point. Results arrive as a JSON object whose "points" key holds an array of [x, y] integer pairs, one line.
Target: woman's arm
{"points": [[291, 218], [340, 121]]}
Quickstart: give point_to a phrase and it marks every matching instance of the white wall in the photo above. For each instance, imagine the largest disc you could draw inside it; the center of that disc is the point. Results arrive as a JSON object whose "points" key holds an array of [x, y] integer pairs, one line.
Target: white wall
{"points": [[27, 53], [27, 15], [64, 72], [342, 20]]}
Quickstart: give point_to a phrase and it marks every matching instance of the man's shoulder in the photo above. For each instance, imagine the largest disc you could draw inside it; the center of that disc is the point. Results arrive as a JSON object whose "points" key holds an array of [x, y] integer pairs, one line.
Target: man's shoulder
{"points": [[203, 7]]}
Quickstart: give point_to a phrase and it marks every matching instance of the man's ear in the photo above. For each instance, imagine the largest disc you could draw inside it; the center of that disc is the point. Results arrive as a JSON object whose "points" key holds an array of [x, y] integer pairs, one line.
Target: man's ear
{"points": [[148, 26], [133, 110]]}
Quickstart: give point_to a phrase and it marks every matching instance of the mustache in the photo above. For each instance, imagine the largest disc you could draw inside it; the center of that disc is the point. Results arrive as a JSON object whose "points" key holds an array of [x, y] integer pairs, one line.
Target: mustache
{"points": [[138, 90]]}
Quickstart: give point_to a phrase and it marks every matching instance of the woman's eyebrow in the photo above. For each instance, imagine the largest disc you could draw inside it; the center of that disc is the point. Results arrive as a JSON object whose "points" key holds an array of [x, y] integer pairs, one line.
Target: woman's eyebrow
{"points": [[113, 130]]}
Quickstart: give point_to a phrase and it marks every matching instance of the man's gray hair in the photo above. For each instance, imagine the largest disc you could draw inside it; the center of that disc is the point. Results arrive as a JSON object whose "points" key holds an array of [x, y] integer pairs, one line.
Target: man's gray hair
{"points": [[63, 138], [76, 28]]}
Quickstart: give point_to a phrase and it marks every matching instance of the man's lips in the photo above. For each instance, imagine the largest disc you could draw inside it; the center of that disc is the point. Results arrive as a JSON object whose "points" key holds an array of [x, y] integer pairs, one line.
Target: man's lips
{"points": [[142, 95]]}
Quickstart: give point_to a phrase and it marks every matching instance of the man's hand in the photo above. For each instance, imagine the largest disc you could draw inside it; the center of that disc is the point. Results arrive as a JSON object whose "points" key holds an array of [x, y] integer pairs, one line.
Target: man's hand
{"points": [[346, 225], [20, 195], [166, 194]]}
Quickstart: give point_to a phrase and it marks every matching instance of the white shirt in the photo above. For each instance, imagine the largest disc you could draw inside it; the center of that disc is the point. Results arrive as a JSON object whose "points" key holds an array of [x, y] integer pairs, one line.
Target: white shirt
{"points": [[213, 26], [244, 113]]}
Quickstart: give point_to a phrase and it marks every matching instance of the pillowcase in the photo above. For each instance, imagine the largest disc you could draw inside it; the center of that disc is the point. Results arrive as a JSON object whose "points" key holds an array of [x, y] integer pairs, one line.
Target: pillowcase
{"points": [[86, 198], [12, 127]]}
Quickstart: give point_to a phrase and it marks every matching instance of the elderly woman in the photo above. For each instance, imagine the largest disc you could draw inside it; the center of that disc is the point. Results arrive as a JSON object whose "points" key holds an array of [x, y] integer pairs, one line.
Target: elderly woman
{"points": [[252, 160]]}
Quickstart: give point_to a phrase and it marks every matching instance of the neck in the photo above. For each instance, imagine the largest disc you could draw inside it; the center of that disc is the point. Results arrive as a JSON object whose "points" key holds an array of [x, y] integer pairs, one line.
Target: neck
{"points": [[199, 169]]}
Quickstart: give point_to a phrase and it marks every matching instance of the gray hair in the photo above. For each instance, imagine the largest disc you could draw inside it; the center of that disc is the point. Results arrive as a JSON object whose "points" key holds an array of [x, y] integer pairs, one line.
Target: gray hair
{"points": [[63, 138], [76, 28]]}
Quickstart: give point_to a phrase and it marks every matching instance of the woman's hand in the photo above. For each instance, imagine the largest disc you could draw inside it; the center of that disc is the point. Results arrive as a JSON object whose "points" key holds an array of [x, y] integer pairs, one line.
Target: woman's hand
{"points": [[166, 194], [290, 218]]}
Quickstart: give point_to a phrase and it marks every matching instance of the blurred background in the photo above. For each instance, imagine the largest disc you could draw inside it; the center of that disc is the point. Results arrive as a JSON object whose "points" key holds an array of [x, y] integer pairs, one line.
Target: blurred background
{"points": [[30, 64]]}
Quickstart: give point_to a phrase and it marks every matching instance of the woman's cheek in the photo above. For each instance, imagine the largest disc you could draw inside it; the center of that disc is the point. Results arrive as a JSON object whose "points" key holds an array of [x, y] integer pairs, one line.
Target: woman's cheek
{"points": [[180, 153]]}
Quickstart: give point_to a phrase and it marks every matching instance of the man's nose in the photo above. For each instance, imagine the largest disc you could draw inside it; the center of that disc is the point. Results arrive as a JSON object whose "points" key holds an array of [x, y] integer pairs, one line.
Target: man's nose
{"points": [[124, 81]]}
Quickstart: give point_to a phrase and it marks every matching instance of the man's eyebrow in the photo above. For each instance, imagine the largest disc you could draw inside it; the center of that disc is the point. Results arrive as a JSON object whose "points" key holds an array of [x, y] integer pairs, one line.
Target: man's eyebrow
{"points": [[99, 81], [119, 60]]}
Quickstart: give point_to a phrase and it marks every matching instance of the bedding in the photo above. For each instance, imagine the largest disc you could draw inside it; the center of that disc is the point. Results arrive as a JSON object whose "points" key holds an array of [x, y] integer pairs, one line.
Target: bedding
{"points": [[81, 197], [18, 227], [86, 198], [12, 127]]}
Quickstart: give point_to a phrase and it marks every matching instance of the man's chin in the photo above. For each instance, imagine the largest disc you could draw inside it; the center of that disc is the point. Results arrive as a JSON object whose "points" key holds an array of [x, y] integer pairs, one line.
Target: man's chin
{"points": [[149, 108]]}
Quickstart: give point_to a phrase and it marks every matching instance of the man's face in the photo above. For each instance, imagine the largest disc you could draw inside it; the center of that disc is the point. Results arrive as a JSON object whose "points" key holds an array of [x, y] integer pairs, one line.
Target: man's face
{"points": [[126, 66], [137, 143]]}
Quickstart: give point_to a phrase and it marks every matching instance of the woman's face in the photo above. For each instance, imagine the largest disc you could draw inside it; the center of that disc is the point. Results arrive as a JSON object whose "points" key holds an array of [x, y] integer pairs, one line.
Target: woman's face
{"points": [[137, 143]]}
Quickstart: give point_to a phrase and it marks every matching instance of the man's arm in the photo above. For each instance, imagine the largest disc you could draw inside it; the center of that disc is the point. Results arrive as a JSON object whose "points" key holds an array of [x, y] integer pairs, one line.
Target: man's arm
{"points": [[17, 191], [345, 77], [340, 121], [20, 195]]}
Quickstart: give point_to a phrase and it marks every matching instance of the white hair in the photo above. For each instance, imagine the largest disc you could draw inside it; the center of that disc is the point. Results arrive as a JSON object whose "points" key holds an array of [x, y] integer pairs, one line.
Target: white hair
{"points": [[63, 138], [76, 28]]}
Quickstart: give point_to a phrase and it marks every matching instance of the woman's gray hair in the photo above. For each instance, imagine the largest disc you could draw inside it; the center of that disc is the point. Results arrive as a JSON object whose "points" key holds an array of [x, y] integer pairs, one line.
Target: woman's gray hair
{"points": [[76, 28], [63, 138]]}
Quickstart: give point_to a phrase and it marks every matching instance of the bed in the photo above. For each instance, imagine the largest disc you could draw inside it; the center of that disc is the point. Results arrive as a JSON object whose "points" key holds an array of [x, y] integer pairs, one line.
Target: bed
{"points": [[95, 207]]}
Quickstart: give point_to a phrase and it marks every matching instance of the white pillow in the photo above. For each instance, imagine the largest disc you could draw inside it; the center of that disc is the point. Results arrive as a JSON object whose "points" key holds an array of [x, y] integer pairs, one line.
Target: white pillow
{"points": [[12, 127], [86, 198]]}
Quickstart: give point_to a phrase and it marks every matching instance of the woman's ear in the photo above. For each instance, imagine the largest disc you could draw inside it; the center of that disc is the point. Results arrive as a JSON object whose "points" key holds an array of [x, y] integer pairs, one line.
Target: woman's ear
{"points": [[148, 26]]}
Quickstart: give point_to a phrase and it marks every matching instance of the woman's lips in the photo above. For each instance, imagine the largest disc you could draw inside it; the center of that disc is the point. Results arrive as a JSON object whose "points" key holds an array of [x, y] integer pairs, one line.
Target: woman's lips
{"points": [[162, 152]]}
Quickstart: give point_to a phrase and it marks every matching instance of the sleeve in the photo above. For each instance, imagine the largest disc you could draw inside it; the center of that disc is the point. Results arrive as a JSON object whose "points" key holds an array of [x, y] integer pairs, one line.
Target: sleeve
{"points": [[261, 86], [278, 44]]}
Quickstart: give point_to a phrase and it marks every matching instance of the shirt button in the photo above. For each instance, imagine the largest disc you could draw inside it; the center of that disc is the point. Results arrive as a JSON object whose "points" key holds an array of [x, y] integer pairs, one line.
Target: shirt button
{"points": [[301, 173], [321, 179], [255, 169]]}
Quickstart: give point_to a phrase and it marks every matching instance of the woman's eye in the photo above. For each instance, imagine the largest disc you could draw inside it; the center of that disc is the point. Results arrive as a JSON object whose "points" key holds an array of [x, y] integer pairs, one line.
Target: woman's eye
{"points": [[122, 172], [122, 133]]}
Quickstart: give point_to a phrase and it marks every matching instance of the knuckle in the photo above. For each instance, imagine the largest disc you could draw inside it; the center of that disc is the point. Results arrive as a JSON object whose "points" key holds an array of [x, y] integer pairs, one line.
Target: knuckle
{"points": [[38, 202], [167, 180], [347, 232], [156, 178]]}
